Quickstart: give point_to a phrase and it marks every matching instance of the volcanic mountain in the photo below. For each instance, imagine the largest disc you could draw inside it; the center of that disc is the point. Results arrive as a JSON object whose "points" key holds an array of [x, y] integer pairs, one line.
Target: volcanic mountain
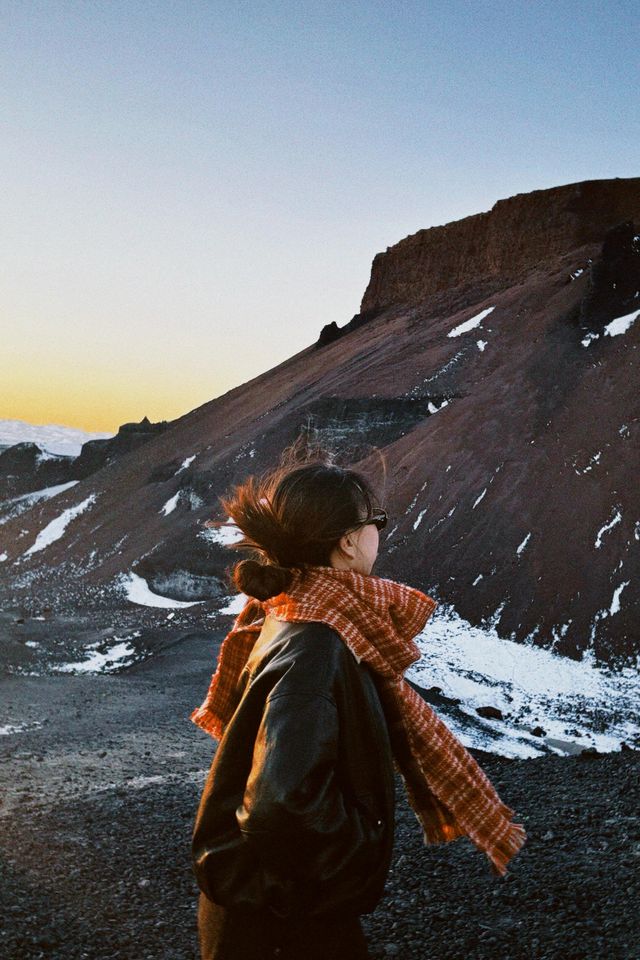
{"points": [[488, 386]]}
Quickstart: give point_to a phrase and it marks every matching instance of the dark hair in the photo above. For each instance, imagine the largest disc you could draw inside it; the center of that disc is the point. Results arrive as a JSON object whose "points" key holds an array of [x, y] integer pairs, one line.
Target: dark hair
{"points": [[293, 517]]}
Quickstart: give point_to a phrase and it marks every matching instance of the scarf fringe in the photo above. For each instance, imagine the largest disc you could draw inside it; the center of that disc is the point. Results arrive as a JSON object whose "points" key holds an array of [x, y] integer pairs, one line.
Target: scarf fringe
{"points": [[204, 719], [505, 849], [499, 853]]}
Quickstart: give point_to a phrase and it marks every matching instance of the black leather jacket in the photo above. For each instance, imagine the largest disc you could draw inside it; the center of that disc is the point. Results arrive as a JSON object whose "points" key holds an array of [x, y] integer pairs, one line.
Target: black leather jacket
{"points": [[297, 813]]}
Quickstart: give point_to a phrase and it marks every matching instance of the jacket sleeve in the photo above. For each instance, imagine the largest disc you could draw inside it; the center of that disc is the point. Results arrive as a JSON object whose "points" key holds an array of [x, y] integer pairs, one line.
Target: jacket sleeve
{"points": [[309, 840]]}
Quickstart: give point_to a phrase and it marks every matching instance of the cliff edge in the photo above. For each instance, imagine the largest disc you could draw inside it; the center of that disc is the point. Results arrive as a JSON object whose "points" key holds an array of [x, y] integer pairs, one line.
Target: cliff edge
{"points": [[515, 236]]}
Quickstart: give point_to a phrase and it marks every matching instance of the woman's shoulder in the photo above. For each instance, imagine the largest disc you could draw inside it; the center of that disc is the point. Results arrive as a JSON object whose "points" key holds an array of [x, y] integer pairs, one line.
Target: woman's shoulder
{"points": [[308, 646], [290, 628]]}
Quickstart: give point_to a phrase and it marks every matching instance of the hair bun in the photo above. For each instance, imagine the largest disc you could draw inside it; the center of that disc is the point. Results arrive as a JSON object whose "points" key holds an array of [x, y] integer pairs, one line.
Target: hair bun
{"points": [[261, 580]]}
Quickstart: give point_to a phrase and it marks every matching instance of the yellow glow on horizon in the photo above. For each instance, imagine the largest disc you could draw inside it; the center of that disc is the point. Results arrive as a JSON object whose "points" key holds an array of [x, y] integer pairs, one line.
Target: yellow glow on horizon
{"points": [[99, 402], [96, 376]]}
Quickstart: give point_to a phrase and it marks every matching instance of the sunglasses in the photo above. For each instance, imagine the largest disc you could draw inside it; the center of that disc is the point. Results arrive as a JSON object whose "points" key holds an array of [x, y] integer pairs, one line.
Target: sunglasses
{"points": [[378, 518]]}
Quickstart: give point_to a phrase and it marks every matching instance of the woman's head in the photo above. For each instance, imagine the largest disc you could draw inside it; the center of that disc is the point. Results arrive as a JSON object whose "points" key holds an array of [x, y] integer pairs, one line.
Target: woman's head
{"points": [[310, 514]]}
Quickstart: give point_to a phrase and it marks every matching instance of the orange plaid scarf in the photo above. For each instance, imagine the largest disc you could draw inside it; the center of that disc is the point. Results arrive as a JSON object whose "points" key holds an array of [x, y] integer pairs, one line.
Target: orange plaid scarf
{"points": [[378, 619]]}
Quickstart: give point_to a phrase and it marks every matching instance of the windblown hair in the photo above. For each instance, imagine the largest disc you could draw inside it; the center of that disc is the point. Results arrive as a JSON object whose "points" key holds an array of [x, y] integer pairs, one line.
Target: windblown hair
{"points": [[291, 518]]}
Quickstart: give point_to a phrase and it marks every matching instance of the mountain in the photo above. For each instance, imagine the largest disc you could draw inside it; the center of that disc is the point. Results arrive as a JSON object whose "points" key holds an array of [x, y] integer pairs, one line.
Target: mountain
{"points": [[52, 438], [489, 385], [29, 472]]}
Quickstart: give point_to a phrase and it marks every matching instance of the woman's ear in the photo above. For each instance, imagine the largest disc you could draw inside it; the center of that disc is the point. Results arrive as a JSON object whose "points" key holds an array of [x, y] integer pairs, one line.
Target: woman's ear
{"points": [[344, 553], [347, 545]]}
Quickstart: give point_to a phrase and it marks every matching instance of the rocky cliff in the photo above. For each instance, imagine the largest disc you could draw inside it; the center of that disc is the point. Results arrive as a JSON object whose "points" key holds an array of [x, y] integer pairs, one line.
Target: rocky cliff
{"points": [[514, 237]]}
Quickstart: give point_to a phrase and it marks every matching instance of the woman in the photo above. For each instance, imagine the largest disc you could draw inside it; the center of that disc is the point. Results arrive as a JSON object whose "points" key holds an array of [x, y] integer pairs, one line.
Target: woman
{"points": [[293, 836]]}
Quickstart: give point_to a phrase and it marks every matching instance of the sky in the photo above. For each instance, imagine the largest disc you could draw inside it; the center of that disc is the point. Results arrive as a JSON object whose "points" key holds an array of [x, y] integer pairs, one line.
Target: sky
{"points": [[192, 190]]}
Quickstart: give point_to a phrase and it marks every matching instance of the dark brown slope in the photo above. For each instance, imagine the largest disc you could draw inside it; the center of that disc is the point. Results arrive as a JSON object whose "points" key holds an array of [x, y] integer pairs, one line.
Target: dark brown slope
{"points": [[510, 452]]}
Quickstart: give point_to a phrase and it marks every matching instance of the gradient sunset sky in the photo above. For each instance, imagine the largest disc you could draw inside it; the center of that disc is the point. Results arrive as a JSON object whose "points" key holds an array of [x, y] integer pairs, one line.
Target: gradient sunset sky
{"points": [[191, 190]]}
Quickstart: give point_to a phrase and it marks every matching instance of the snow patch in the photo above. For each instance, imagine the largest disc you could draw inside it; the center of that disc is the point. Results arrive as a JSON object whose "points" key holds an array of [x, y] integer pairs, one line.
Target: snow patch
{"points": [[415, 499], [137, 591], [418, 521], [18, 505], [44, 455], [46, 493], [185, 464], [56, 528], [19, 727], [438, 373], [225, 534], [235, 605], [471, 323], [594, 459], [558, 633], [607, 526], [479, 498], [615, 603], [248, 450], [523, 544], [170, 505], [195, 501], [571, 700], [105, 662], [614, 329], [621, 324]]}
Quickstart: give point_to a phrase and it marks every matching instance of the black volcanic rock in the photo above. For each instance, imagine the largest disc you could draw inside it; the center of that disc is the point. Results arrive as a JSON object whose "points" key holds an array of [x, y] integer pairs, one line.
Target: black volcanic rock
{"points": [[329, 333], [191, 580], [100, 801], [95, 454], [25, 467], [493, 713], [614, 279], [354, 426]]}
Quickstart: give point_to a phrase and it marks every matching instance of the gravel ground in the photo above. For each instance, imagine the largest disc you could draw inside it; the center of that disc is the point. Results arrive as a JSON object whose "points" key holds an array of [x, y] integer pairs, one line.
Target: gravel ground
{"points": [[98, 807]]}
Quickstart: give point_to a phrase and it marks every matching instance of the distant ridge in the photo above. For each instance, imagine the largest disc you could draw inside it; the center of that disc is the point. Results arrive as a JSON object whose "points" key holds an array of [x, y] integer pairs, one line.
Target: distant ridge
{"points": [[52, 437]]}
